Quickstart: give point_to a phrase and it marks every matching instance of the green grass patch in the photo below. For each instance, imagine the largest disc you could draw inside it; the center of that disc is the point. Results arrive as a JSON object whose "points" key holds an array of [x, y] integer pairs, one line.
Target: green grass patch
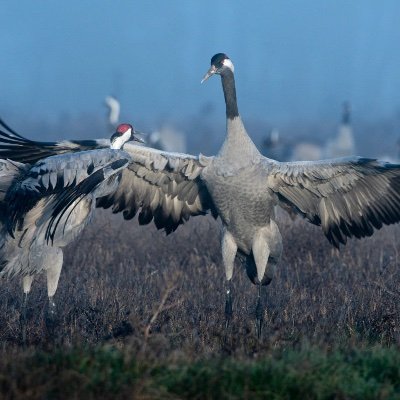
{"points": [[108, 372], [305, 374]]}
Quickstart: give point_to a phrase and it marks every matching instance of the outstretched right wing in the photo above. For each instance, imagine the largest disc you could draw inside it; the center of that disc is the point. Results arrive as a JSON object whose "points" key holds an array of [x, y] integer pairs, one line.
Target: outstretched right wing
{"points": [[15, 147]]}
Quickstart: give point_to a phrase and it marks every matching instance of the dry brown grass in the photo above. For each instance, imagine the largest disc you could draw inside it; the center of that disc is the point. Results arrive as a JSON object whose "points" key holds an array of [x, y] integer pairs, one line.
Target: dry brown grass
{"points": [[126, 284]]}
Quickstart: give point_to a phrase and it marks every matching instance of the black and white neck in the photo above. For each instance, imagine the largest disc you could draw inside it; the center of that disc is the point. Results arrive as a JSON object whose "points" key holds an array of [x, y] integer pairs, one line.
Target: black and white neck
{"points": [[228, 86], [237, 146]]}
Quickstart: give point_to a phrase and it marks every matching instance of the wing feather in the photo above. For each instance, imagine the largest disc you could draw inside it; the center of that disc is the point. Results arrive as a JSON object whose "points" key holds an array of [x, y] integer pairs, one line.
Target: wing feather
{"points": [[347, 197], [54, 176], [165, 187], [15, 147]]}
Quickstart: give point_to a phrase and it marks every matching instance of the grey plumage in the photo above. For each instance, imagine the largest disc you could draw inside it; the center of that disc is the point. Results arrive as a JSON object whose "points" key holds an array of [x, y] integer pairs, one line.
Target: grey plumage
{"points": [[165, 187], [46, 205], [346, 197], [39, 192]]}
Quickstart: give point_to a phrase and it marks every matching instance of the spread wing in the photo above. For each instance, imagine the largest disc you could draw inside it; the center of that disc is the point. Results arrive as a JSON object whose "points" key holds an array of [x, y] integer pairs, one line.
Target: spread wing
{"points": [[166, 187], [347, 197], [60, 181], [161, 186], [15, 147]]}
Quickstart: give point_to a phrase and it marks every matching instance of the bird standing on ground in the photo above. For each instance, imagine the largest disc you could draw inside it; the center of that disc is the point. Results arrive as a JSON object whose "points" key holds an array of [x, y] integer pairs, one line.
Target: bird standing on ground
{"points": [[46, 205], [346, 197]]}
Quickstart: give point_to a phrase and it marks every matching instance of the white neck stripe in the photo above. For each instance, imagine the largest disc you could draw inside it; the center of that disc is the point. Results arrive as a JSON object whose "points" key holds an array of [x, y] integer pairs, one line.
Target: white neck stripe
{"points": [[229, 64]]}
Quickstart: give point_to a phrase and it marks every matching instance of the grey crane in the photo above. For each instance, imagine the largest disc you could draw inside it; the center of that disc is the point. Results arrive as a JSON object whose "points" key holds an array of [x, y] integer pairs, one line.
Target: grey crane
{"points": [[346, 197], [342, 145], [114, 107], [46, 205]]}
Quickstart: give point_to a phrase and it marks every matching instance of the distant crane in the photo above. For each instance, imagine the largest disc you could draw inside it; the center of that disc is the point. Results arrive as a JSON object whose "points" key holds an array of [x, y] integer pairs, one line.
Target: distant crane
{"points": [[276, 147], [46, 205], [343, 144], [347, 197], [166, 138], [114, 107]]}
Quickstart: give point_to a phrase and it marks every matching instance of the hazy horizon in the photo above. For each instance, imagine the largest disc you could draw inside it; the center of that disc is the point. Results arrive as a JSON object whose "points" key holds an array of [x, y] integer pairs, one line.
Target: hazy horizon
{"points": [[291, 62]]}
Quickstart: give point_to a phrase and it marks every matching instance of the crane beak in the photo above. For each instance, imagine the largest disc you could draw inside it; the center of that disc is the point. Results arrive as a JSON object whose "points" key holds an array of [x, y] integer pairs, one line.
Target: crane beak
{"points": [[135, 138], [210, 72]]}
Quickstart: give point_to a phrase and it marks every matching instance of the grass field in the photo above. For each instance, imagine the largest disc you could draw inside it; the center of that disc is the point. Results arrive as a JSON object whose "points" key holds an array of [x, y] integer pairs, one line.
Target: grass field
{"points": [[141, 316]]}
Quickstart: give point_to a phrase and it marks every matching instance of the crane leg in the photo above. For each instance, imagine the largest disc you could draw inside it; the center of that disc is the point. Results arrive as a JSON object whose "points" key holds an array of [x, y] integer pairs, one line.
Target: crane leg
{"points": [[261, 253], [26, 283], [260, 308], [229, 249], [23, 318], [51, 316], [53, 275], [228, 304]]}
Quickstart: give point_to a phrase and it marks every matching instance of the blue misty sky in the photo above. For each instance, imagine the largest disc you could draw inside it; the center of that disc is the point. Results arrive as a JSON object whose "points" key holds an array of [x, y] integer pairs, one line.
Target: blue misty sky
{"points": [[293, 59]]}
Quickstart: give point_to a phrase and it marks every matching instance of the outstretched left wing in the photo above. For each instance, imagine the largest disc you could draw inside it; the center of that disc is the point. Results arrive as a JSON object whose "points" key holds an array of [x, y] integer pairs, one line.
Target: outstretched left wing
{"points": [[347, 197], [15, 147]]}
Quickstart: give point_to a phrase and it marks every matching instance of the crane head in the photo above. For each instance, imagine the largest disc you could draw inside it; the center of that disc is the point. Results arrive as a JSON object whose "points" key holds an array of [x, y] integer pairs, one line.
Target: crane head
{"points": [[123, 134], [219, 63]]}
